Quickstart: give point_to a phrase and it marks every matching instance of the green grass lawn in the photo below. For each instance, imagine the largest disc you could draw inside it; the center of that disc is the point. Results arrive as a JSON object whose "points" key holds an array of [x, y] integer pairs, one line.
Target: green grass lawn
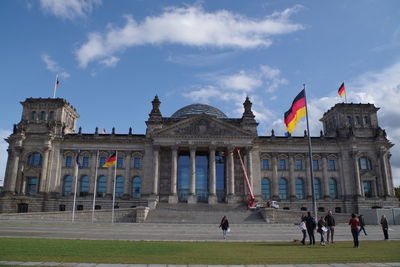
{"points": [[101, 251]]}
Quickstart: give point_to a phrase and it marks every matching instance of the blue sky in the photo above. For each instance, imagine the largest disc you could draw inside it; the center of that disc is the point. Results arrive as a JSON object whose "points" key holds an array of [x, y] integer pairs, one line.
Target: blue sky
{"points": [[113, 57]]}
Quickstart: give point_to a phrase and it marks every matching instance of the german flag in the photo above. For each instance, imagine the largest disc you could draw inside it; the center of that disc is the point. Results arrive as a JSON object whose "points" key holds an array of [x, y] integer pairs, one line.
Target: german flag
{"points": [[296, 111], [341, 90], [110, 161]]}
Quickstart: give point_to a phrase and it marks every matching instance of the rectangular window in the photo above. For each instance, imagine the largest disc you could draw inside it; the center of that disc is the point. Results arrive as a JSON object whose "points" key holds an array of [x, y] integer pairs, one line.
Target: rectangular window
{"points": [[102, 161], [136, 163], [265, 164], [85, 162], [31, 186], [332, 165], [367, 188], [298, 164], [282, 164], [315, 164], [120, 162], [68, 161]]}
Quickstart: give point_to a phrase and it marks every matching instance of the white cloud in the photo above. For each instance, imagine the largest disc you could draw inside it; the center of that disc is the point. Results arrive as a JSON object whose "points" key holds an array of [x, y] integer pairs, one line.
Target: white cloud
{"points": [[110, 61], [53, 66], [3, 153], [231, 90], [190, 26], [69, 9], [242, 81]]}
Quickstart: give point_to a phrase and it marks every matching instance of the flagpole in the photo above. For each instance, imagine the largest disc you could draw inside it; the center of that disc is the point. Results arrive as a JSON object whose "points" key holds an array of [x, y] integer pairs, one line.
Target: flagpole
{"points": [[115, 178], [55, 87], [314, 201], [95, 185], [345, 95], [76, 185]]}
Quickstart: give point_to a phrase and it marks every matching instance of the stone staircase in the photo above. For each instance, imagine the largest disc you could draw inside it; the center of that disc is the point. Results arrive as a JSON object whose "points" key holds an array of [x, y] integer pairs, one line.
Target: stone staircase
{"points": [[203, 214]]}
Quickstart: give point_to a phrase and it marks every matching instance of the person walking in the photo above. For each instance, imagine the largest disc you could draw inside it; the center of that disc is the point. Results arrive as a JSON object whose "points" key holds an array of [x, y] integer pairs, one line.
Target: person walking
{"points": [[330, 225], [385, 226], [362, 224], [303, 229], [321, 230], [310, 225], [354, 226], [224, 225]]}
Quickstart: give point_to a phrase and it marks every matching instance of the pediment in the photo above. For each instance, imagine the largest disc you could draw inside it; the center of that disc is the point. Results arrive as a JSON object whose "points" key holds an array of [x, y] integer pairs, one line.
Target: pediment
{"points": [[201, 125]]}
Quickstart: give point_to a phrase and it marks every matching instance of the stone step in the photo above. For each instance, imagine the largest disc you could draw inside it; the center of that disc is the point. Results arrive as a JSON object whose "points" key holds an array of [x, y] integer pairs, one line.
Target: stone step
{"points": [[203, 214]]}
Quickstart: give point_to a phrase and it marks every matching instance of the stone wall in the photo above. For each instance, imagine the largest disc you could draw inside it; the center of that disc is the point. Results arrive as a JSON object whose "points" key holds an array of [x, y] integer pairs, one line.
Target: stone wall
{"points": [[132, 215]]}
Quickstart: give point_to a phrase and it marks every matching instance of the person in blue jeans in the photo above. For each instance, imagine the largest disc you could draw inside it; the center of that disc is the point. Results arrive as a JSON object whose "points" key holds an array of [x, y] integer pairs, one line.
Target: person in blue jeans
{"points": [[354, 226], [224, 225]]}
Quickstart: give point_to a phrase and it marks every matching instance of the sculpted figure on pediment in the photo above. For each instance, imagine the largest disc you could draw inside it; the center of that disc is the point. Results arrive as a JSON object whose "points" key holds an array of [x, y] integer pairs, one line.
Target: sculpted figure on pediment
{"points": [[203, 127]]}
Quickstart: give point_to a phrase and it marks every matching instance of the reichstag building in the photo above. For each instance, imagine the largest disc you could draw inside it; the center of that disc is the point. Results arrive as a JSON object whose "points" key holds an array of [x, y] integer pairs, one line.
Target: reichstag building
{"points": [[185, 158]]}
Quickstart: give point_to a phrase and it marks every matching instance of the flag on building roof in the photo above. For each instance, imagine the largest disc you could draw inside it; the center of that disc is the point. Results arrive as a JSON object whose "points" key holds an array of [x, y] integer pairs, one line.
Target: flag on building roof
{"points": [[110, 161], [296, 111], [341, 90], [104, 131]]}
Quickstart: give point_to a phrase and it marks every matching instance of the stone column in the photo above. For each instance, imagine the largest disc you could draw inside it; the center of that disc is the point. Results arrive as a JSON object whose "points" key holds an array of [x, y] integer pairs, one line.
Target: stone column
{"points": [[308, 179], [12, 169], [192, 198], [384, 172], [43, 176], [212, 195], [93, 164], [275, 193], [356, 173], [325, 178], [231, 176], [292, 179], [156, 173], [173, 197], [128, 178], [250, 167]]}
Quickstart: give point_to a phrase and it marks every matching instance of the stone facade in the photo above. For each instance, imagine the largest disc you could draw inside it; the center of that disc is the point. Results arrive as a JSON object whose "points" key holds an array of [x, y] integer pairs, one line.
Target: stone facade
{"points": [[193, 156]]}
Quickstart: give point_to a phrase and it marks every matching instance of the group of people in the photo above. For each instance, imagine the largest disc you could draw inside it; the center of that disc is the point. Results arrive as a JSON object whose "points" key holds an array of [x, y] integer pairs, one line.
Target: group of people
{"points": [[357, 225], [326, 224]]}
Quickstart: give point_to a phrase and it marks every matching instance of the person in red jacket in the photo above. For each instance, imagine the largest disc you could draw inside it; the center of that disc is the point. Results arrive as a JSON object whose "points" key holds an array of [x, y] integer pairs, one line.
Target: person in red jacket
{"points": [[354, 226]]}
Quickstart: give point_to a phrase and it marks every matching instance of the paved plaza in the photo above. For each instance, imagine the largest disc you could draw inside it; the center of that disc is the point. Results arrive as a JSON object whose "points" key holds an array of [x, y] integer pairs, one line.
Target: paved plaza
{"points": [[178, 232]]}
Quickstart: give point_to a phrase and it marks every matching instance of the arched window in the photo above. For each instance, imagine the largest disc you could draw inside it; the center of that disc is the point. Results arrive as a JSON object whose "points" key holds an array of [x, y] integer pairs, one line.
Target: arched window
{"points": [[35, 159], [365, 163], [33, 115], [101, 186], [265, 188], [317, 188], [136, 187], [119, 186], [67, 185], [42, 115], [283, 188], [84, 185], [299, 188], [333, 193]]}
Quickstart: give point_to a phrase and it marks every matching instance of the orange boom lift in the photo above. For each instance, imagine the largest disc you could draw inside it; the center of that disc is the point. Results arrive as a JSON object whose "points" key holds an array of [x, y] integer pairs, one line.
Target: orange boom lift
{"points": [[251, 203]]}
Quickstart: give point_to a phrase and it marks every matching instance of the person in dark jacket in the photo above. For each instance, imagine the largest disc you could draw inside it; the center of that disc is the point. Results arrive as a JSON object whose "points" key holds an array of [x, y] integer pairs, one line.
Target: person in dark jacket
{"points": [[362, 224], [385, 227], [330, 225], [310, 224], [224, 225]]}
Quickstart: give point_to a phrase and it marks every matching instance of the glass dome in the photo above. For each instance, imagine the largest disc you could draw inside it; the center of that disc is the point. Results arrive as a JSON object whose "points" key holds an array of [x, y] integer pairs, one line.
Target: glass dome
{"points": [[198, 109]]}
